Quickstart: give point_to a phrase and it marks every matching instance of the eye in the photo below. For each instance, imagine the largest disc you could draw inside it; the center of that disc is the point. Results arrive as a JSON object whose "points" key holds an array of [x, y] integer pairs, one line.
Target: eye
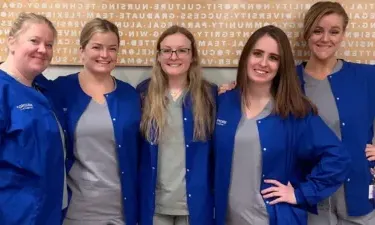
{"points": [[34, 41], [274, 58], [335, 32], [49, 45], [165, 51], [95, 47], [183, 50], [317, 31], [257, 53], [113, 49]]}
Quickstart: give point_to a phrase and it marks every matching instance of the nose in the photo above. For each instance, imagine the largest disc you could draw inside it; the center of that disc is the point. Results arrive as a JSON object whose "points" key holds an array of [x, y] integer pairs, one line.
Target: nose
{"points": [[174, 55], [263, 61], [325, 36], [104, 53], [42, 48]]}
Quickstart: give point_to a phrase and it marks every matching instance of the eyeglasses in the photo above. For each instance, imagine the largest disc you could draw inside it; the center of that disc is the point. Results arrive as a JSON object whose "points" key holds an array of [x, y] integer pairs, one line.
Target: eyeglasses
{"points": [[180, 53]]}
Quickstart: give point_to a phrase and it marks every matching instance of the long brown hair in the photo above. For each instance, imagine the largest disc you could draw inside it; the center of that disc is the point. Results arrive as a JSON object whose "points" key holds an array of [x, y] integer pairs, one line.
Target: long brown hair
{"points": [[285, 88], [154, 106]]}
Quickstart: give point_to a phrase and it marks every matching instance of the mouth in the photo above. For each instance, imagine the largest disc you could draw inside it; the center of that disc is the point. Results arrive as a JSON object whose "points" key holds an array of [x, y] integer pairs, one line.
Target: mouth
{"points": [[324, 46], [174, 65], [103, 62], [39, 57], [261, 72]]}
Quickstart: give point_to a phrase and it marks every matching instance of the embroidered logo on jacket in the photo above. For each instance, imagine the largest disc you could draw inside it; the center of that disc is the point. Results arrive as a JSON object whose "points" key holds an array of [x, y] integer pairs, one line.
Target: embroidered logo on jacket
{"points": [[221, 122], [25, 106]]}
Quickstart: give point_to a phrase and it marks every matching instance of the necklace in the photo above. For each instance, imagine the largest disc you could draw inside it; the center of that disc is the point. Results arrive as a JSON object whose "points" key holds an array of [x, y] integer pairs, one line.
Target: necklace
{"points": [[175, 93]]}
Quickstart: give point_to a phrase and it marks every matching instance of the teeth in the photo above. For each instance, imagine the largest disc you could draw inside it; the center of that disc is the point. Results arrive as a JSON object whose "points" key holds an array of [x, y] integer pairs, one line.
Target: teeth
{"points": [[260, 71], [174, 65]]}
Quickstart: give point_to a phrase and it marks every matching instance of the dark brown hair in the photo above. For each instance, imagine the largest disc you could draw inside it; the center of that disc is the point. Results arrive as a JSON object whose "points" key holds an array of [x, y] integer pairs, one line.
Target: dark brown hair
{"points": [[285, 88]]}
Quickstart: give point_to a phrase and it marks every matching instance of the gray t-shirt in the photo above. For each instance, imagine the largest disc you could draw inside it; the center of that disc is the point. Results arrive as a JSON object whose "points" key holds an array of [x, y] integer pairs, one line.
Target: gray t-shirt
{"points": [[94, 178], [171, 183], [320, 93], [246, 205], [65, 191]]}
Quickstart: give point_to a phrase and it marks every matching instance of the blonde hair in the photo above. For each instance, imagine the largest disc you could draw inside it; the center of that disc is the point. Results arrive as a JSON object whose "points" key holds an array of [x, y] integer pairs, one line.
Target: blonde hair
{"points": [[201, 92], [316, 13], [97, 25], [24, 19]]}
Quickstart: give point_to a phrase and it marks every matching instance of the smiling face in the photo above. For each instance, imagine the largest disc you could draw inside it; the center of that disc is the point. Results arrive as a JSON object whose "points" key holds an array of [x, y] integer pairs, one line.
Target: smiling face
{"points": [[327, 36], [175, 55], [263, 61], [99, 56], [32, 48]]}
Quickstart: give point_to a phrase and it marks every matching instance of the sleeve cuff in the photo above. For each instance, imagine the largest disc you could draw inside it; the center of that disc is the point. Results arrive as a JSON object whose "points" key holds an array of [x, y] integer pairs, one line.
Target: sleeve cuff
{"points": [[300, 198]]}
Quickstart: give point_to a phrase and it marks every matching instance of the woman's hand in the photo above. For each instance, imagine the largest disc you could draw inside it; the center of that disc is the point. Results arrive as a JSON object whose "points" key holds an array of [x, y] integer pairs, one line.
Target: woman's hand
{"points": [[370, 152], [226, 87], [281, 192]]}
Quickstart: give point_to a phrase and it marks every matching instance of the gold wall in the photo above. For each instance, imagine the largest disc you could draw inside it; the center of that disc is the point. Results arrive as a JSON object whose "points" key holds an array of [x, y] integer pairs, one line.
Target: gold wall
{"points": [[221, 28]]}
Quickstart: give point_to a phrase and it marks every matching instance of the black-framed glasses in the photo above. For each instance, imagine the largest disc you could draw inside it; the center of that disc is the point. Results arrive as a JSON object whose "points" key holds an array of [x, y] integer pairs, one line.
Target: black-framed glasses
{"points": [[180, 53]]}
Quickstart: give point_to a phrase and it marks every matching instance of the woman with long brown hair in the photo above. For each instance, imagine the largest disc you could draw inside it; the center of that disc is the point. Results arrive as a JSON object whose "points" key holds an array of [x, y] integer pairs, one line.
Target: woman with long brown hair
{"points": [[273, 155], [177, 123]]}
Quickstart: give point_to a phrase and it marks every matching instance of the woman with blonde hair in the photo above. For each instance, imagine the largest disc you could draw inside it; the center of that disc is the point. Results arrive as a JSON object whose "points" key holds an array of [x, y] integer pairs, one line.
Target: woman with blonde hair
{"points": [[103, 116], [345, 96], [31, 137], [177, 123]]}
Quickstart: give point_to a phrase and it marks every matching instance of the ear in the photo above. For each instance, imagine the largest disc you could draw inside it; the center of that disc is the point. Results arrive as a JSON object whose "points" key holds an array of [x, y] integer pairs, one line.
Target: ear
{"points": [[158, 58], [343, 35], [11, 44], [81, 50]]}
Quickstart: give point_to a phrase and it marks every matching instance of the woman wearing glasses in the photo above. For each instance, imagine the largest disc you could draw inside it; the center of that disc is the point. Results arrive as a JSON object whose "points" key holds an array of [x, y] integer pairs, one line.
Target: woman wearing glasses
{"points": [[177, 123]]}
